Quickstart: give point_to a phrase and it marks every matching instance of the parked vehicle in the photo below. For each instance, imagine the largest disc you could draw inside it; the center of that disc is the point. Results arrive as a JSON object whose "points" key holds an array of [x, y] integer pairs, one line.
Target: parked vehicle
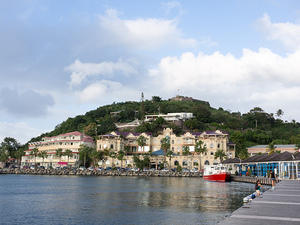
{"points": [[82, 168], [108, 169], [91, 168], [185, 170]]}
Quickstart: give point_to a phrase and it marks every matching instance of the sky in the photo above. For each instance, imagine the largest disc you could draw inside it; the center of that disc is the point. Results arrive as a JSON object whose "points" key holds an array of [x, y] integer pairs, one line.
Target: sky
{"points": [[59, 59]]}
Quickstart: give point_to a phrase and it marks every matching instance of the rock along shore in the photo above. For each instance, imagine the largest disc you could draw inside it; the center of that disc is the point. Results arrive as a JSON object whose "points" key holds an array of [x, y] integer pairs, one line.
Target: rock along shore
{"points": [[77, 172]]}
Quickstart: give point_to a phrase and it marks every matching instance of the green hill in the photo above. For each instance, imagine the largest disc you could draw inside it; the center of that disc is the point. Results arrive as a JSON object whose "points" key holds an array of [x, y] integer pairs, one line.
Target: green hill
{"points": [[253, 127]]}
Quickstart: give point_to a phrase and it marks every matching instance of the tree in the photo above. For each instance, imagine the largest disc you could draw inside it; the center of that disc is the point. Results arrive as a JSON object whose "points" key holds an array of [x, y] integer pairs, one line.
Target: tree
{"points": [[169, 155], [165, 146], [3, 156], [279, 113], [141, 140], [34, 152], [271, 148], [19, 153], [156, 99], [10, 145], [96, 156], [120, 156], [91, 129], [43, 155], [59, 153], [69, 154], [220, 154], [185, 150], [200, 149], [84, 153]]}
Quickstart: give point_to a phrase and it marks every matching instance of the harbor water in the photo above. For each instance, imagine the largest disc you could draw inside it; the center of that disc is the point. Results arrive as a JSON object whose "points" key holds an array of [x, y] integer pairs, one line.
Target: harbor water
{"points": [[26, 199]]}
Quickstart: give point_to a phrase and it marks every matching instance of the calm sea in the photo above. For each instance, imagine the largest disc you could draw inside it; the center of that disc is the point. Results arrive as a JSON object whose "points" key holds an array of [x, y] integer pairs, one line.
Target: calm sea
{"points": [[116, 200]]}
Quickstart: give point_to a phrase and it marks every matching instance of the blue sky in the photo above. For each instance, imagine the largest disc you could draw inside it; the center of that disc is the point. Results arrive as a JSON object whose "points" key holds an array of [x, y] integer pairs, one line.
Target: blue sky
{"points": [[59, 59]]}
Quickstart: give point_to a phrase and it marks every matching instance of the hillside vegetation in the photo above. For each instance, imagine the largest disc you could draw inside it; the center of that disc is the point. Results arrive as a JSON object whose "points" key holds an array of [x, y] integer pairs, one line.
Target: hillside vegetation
{"points": [[251, 128]]}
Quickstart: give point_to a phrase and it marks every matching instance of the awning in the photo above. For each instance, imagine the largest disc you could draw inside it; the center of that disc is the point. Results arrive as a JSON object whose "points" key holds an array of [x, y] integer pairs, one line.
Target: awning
{"points": [[62, 163]]}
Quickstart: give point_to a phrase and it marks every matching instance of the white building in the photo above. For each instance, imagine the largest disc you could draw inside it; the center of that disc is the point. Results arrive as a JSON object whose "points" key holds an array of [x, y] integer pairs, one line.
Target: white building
{"points": [[170, 117], [71, 141]]}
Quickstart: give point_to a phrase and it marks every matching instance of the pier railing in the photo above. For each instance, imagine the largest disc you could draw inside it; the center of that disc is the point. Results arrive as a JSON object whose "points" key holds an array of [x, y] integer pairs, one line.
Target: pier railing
{"points": [[248, 179]]}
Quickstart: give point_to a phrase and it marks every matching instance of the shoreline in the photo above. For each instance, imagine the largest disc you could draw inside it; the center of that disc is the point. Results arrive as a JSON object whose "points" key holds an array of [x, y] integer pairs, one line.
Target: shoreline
{"points": [[70, 172]]}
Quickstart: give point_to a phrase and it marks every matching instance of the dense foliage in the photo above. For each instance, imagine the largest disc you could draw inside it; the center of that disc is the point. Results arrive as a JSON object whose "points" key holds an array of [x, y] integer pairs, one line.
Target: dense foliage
{"points": [[251, 128]]}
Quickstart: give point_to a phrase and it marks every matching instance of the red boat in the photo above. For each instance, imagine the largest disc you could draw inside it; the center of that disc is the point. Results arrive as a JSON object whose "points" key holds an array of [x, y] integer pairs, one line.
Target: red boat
{"points": [[216, 173]]}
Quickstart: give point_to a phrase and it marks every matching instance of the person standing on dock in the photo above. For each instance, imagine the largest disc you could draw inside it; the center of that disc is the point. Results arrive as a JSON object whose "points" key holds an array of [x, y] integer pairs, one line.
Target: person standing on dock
{"points": [[272, 176]]}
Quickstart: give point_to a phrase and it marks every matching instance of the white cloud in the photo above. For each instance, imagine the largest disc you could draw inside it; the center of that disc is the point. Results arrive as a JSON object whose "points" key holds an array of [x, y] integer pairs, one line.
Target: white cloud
{"points": [[19, 130], [96, 92], [257, 77], [80, 71], [144, 33], [287, 33]]}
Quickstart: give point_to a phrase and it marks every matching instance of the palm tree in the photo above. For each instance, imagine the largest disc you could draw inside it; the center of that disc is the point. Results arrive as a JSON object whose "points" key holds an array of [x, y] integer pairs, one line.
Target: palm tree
{"points": [[141, 141], [3, 156], [18, 154], [185, 150], [69, 154], [84, 153], [43, 155], [169, 154], [165, 146], [120, 157], [96, 156], [59, 153], [220, 154], [200, 149], [34, 152], [271, 148]]}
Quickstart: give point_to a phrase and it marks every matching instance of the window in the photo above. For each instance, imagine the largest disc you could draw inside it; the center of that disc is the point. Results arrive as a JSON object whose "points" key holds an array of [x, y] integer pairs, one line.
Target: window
{"points": [[211, 145], [112, 146], [218, 145], [172, 141], [173, 149], [211, 153]]}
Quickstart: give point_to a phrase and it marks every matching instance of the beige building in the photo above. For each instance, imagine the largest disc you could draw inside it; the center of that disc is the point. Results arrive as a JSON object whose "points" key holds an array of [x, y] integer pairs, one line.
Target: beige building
{"points": [[212, 140], [71, 141], [260, 149]]}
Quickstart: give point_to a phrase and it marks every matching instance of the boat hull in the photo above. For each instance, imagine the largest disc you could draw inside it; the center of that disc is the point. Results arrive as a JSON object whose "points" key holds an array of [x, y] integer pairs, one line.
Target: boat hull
{"points": [[221, 177]]}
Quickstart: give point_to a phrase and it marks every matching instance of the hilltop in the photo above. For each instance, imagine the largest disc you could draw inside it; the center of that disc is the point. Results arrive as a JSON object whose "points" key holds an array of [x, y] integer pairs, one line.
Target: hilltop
{"points": [[251, 128]]}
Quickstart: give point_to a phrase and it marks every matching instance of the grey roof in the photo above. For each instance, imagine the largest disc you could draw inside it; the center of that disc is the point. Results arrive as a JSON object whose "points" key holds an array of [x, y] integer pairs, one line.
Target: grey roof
{"points": [[276, 146], [275, 157]]}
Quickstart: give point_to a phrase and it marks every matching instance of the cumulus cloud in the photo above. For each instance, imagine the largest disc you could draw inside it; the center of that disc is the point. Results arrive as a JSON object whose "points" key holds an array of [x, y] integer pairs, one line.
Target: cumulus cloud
{"points": [[27, 103], [80, 71], [257, 77], [20, 130], [99, 90], [287, 33], [146, 34]]}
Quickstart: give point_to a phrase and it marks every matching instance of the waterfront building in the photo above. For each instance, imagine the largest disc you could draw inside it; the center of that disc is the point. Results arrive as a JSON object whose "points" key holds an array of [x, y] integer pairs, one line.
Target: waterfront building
{"points": [[128, 142], [71, 141], [260, 149], [285, 165]]}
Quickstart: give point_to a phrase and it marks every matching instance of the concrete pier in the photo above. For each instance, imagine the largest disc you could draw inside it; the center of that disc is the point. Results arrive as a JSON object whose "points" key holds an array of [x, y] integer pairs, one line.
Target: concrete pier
{"points": [[275, 207]]}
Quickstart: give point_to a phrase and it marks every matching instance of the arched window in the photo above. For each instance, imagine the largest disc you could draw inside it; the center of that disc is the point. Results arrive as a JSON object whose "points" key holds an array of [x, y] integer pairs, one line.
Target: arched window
{"points": [[206, 162], [176, 163]]}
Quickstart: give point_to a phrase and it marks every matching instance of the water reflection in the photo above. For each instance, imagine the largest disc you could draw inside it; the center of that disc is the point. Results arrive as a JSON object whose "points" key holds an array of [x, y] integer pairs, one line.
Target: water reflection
{"points": [[117, 200]]}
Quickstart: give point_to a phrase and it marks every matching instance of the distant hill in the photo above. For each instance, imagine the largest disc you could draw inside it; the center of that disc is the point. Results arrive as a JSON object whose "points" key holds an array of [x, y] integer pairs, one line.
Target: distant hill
{"points": [[251, 128]]}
